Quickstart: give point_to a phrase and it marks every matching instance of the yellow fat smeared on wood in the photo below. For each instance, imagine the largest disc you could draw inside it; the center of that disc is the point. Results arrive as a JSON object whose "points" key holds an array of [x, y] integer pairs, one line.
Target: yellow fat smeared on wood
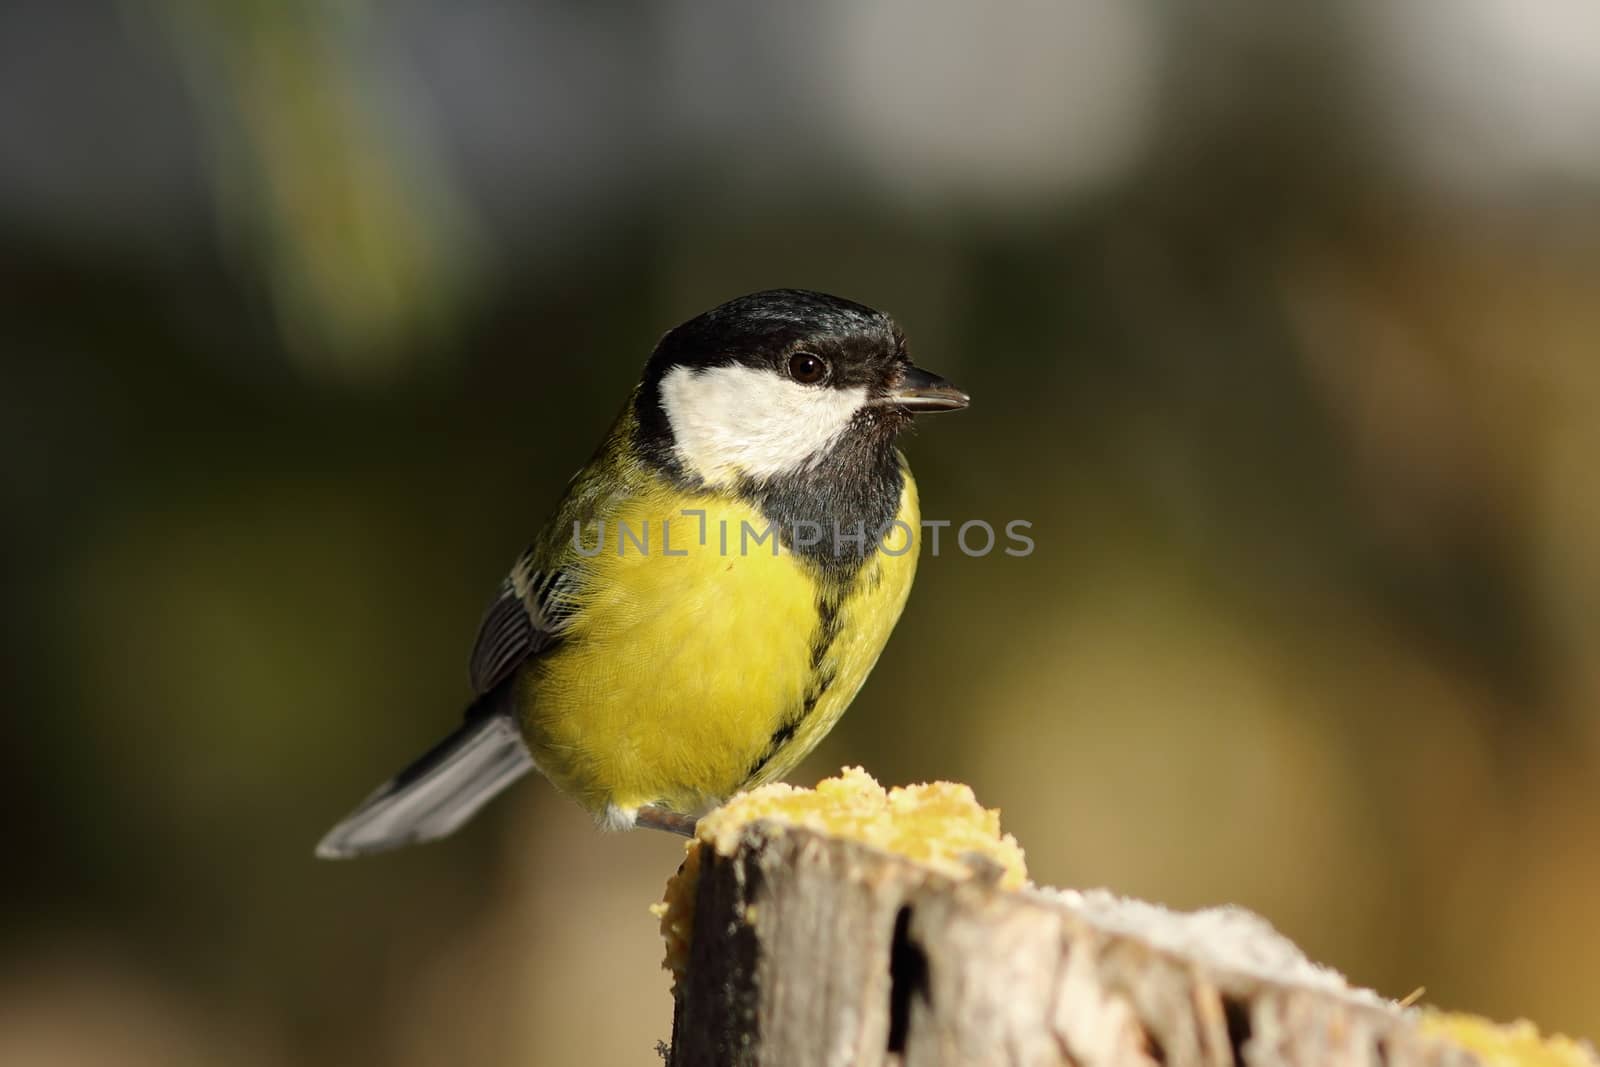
{"points": [[1515, 1044], [940, 824]]}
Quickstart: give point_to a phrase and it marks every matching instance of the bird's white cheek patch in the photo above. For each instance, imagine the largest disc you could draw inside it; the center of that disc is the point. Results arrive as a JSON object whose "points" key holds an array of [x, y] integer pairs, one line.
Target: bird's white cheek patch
{"points": [[733, 421]]}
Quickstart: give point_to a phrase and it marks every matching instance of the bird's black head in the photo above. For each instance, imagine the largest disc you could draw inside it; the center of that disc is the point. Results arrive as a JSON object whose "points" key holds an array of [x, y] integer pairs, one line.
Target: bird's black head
{"points": [[769, 384]]}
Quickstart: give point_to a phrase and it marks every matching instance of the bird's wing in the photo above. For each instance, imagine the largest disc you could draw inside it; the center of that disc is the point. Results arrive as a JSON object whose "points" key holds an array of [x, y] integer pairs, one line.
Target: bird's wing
{"points": [[538, 599], [525, 619]]}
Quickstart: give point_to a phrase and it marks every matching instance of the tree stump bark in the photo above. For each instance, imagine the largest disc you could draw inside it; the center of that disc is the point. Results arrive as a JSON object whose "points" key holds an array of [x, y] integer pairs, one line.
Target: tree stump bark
{"points": [[812, 949]]}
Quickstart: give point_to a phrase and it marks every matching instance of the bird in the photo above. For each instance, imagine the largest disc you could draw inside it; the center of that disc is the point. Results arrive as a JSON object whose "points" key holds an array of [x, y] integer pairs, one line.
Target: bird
{"points": [[712, 590]]}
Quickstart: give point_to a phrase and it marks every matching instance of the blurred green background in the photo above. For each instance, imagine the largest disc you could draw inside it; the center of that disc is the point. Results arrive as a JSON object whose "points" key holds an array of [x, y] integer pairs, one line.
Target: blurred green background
{"points": [[1282, 327]]}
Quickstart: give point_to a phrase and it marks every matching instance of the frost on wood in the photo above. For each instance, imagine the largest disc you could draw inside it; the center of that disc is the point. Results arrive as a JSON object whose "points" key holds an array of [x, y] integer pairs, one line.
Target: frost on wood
{"points": [[807, 948]]}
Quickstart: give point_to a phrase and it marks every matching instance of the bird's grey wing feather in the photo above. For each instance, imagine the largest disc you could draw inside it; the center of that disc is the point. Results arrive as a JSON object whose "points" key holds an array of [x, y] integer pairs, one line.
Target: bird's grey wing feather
{"points": [[439, 791], [525, 619]]}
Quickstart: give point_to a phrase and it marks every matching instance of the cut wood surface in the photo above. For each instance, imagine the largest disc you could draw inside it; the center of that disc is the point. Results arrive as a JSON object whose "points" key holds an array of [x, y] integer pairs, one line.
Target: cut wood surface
{"points": [[811, 948]]}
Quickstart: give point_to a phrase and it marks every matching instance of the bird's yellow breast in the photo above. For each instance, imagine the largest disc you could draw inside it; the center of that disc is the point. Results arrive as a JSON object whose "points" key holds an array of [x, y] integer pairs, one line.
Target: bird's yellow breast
{"points": [[702, 656]]}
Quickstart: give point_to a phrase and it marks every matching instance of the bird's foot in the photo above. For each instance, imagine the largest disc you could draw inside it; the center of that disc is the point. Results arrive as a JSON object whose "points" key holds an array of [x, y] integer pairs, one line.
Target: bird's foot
{"points": [[657, 818]]}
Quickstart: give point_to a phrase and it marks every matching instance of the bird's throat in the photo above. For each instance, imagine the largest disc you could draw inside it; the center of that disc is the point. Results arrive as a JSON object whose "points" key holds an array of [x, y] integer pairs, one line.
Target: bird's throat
{"points": [[837, 511]]}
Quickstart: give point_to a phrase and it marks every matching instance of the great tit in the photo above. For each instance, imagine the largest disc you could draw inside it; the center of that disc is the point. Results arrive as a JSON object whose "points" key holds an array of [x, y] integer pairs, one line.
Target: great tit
{"points": [[712, 591]]}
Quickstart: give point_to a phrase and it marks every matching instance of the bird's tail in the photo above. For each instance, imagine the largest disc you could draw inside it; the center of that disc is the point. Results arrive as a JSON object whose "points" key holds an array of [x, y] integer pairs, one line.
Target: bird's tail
{"points": [[439, 791]]}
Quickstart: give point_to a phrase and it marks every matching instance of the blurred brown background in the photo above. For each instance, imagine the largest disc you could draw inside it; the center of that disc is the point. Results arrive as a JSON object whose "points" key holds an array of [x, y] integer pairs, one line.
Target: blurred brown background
{"points": [[1282, 327]]}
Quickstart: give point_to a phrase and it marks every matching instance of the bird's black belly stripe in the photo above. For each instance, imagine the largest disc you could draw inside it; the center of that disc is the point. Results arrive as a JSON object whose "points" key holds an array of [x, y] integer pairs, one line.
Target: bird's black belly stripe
{"points": [[828, 626], [814, 694], [827, 629], [780, 737]]}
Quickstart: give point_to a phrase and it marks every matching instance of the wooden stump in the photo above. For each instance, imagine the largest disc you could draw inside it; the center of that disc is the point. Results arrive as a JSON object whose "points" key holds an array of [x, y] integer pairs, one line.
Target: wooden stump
{"points": [[811, 949]]}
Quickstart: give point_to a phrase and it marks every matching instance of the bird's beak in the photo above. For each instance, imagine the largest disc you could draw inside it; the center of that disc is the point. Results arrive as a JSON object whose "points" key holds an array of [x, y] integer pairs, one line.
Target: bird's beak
{"points": [[920, 391]]}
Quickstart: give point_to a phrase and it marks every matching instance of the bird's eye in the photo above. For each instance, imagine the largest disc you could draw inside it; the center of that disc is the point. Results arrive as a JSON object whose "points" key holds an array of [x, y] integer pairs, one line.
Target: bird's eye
{"points": [[807, 368]]}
